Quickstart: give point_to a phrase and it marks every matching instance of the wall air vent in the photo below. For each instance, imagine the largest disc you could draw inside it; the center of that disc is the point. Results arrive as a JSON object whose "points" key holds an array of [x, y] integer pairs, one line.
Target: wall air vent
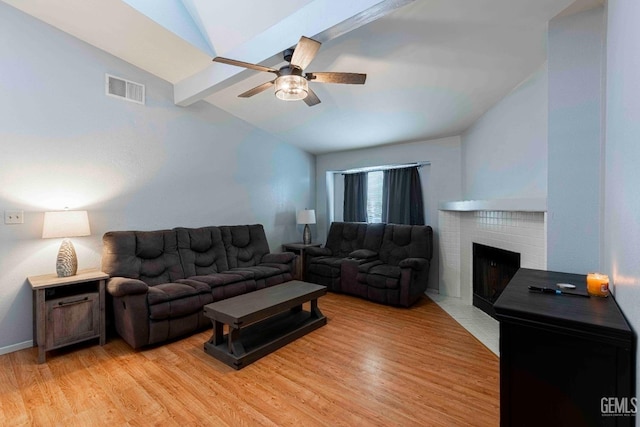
{"points": [[124, 89]]}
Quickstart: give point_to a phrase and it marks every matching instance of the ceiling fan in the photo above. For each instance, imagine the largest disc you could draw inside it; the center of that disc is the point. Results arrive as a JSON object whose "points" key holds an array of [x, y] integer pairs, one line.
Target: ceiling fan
{"points": [[291, 82]]}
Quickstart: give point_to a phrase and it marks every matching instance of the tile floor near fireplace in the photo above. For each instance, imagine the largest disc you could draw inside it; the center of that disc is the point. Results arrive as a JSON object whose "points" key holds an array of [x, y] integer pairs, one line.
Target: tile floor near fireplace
{"points": [[482, 326], [515, 225]]}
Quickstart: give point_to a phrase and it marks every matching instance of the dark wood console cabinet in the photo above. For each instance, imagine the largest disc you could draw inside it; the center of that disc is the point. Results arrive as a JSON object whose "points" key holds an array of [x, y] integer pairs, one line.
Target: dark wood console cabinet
{"points": [[564, 360]]}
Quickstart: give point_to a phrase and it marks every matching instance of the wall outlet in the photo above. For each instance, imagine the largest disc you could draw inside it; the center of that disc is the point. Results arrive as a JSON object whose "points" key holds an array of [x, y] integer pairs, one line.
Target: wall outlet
{"points": [[14, 217]]}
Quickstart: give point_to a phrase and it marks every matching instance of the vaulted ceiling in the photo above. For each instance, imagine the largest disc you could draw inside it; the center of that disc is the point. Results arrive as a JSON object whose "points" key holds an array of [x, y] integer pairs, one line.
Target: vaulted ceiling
{"points": [[433, 66]]}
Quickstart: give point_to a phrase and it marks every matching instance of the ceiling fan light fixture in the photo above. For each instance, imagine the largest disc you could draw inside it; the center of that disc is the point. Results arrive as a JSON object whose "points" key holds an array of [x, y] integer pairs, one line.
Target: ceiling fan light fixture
{"points": [[291, 87], [291, 82]]}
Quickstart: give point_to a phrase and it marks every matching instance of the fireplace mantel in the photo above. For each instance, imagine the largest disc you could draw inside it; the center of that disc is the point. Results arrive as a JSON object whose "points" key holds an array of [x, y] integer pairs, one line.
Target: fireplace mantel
{"points": [[514, 205]]}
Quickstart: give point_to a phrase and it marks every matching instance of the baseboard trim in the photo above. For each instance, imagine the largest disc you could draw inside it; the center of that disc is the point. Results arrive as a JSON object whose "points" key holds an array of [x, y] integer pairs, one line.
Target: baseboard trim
{"points": [[16, 347]]}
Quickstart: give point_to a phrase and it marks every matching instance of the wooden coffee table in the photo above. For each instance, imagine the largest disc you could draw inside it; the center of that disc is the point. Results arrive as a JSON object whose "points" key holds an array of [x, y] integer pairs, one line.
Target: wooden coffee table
{"points": [[262, 321]]}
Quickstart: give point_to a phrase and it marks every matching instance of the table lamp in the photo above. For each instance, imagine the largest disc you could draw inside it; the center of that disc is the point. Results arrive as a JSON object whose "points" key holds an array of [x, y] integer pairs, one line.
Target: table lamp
{"points": [[66, 224], [306, 217]]}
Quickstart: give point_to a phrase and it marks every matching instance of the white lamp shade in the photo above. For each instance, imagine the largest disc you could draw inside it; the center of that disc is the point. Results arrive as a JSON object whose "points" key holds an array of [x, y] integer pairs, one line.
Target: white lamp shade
{"points": [[65, 224], [307, 216]]}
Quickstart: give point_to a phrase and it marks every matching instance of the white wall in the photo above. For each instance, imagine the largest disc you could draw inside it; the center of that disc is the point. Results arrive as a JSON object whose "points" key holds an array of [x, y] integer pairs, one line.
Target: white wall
{"points": [[504, 156], [64, 143], [504, 153], [443, 184], [545, 140], [621, 223], [575, 141]]}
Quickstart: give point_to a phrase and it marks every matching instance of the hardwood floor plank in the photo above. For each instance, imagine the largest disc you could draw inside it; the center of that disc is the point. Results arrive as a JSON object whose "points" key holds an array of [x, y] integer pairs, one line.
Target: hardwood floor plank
{"points": [[11, 404], [356, 404], [371, 365], [296, 383]]}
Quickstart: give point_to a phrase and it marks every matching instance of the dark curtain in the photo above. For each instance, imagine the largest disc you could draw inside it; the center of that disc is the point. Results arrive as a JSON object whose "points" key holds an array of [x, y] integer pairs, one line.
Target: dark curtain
{"points": [[355, 197], [402, 197]]}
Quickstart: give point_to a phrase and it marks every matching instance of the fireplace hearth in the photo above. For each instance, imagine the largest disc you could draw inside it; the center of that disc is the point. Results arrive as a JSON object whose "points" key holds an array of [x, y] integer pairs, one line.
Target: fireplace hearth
{"points": [[493, 268]]}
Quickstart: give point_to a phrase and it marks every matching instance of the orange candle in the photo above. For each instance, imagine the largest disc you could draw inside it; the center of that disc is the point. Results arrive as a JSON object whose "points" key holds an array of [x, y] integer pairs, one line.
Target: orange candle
{"points": [[598, 284]]}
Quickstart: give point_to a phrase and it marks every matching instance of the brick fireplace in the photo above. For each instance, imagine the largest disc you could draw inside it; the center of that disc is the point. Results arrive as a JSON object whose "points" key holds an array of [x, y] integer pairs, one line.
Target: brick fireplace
{"points": [[512, 226]]}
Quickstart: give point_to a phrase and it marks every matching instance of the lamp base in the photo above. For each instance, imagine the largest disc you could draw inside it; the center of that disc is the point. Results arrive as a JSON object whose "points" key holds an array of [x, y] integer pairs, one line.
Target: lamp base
{"points": [[67, 261], [306, 235]]}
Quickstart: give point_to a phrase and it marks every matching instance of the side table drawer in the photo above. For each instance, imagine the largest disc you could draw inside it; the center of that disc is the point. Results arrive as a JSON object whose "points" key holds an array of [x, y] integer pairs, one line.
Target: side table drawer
{"points": [[72, 319]]}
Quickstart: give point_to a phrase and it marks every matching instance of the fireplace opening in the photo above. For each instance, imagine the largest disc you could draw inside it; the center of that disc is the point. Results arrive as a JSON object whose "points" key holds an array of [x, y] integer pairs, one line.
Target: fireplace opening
{"points": [[493, 268]]}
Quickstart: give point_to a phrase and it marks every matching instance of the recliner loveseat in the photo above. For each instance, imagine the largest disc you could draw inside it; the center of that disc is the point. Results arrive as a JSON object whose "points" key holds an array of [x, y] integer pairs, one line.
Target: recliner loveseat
{"points": [[384, 263], [160, 280]]}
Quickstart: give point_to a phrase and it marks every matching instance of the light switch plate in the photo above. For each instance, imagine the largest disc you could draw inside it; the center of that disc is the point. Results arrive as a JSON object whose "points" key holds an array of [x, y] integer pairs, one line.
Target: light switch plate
{"points": [[14, 217]]}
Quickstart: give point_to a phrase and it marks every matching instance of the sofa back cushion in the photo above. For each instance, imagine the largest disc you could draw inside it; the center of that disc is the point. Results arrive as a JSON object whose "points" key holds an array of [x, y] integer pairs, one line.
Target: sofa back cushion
{"points": [[405, 241], [373, 236], [201, 250], [345, 237], [150, 256], [245, 244]]}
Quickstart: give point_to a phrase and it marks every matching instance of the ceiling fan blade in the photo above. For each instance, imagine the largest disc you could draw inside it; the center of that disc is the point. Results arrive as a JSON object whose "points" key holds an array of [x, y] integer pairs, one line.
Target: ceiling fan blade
{"points": [[256, 90], [345, 78], [311, 99], [244, 64], [304, 52]]}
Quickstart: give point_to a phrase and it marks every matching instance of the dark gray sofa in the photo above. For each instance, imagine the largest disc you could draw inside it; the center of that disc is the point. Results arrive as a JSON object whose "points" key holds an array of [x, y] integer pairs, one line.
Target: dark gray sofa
{"points": [[324, 265], [384, 263], [160, 280]]}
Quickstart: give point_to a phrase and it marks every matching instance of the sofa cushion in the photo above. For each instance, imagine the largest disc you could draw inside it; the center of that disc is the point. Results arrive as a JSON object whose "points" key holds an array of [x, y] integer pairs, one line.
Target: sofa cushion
{"points": [[245, 245], [345, 237], [201, 250], [331, 261], [382, 282], [405, 241], [169, 300], [198, 285], [373, 236], [233, 289], [381, 269], [259, 271], [325, 266], [281, 258], [314, 252], [379, 274], [219, 279], [282, 268], [363, 254], [150, 256]]}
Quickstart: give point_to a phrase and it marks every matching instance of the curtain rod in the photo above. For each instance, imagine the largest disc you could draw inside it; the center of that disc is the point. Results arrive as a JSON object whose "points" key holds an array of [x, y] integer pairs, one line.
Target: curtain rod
{"points": [[384, 167]]}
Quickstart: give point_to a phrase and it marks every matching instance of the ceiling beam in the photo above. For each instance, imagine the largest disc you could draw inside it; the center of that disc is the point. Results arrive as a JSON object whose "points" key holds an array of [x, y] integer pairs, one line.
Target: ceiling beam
{"points": [[321, 19]]}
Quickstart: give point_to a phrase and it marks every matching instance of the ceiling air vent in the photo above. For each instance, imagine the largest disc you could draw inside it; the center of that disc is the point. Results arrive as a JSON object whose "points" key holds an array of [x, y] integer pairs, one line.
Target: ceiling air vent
{"points": [[124, 89]]}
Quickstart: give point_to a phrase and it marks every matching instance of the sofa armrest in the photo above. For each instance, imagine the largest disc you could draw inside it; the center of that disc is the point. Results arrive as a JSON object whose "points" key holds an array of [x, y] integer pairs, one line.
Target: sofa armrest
{"points": [[313, 251], [413, 263], [364, 254], [280, 258], [121, 286]]}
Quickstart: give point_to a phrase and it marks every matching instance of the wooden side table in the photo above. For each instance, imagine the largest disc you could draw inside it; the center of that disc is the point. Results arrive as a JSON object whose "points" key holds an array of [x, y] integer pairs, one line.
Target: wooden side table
{"points": [[298, 249], [68, 310]]}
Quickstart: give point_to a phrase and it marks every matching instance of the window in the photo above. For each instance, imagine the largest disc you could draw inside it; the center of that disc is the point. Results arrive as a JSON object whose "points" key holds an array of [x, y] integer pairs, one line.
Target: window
{"points": [[391, 193], [374, 196]]}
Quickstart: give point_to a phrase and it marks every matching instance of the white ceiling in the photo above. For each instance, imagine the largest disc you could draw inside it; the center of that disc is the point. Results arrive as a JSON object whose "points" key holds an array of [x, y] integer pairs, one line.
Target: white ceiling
{"points": [[433, 66]]}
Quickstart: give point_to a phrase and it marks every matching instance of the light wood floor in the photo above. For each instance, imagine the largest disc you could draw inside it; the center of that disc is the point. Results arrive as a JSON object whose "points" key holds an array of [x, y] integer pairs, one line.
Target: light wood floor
{"points": [[370, 365]]}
